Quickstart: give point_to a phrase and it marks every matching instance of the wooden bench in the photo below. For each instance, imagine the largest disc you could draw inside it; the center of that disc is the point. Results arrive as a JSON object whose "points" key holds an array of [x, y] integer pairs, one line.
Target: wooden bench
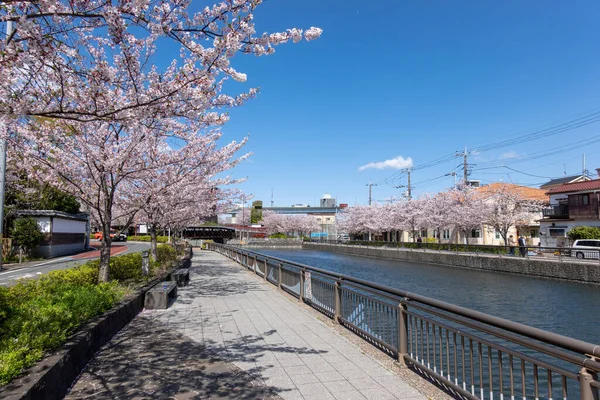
{"points": [[181, 276], [158, 296]]}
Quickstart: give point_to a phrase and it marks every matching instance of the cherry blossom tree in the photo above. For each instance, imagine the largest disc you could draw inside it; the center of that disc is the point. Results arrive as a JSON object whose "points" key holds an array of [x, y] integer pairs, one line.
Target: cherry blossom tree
{"points": [[508, 207], [94, 59], [469, 210], [81, 96]]}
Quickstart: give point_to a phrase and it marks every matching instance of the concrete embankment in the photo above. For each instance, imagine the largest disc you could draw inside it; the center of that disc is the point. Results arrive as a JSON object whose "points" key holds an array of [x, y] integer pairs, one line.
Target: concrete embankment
{"points": [[268, 243], [575, 271]]}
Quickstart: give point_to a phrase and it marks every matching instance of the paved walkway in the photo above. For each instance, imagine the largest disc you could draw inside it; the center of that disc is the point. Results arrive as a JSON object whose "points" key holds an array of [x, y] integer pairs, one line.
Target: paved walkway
{"points": [[266, 333], [230, 335]]}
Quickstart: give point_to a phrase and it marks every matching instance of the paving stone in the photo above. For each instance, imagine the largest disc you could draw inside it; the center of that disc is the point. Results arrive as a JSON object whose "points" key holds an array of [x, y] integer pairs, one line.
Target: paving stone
{"points": [[260, 343]]}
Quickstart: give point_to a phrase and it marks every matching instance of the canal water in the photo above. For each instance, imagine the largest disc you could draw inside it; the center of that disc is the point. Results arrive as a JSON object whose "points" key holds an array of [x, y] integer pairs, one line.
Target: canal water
{"points": [[569, 309]]}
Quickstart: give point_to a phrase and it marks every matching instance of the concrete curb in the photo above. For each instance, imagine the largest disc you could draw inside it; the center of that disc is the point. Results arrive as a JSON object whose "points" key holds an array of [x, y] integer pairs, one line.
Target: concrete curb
{"points": [[52, 377]]}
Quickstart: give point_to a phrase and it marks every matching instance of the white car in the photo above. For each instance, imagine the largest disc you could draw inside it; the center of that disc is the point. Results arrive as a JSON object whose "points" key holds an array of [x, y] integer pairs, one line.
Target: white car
{"points": [[586, 248]]}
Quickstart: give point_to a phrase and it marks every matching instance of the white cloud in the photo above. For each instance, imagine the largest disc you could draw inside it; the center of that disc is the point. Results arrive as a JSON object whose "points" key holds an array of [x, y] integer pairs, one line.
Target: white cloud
{"points": [[509, 154], [395, 163]]}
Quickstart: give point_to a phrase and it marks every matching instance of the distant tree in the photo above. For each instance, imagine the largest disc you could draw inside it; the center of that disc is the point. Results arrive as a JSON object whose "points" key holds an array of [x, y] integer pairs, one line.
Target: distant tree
{"points": [[26, 233], [256, 212], [26, 193]]}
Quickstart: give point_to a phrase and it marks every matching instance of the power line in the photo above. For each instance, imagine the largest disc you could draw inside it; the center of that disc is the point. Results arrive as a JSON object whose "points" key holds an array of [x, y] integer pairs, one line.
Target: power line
{"points": [[587, 119]]}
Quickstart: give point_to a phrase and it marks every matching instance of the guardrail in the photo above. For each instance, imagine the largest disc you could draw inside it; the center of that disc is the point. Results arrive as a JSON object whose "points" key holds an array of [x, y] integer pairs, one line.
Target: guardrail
{"points": [[559, 253], [472, 354]]}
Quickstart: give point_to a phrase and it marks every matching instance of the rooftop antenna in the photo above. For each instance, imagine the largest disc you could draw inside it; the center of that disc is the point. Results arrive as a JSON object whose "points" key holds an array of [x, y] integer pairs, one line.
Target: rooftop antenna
{"points": [[565, 169]]}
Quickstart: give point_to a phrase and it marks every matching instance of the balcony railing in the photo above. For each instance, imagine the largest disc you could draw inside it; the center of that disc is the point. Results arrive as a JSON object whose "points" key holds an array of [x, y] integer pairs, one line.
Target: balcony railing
{"points": [[559, 211], [472, 354]]}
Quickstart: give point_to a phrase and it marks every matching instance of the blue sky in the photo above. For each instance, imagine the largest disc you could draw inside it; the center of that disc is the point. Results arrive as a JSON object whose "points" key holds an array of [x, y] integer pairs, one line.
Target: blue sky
{"points": [[418, 80]]}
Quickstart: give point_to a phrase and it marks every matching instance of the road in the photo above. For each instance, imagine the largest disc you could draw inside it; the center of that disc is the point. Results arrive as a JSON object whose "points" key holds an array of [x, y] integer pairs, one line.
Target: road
{"points": [[8, 277]]}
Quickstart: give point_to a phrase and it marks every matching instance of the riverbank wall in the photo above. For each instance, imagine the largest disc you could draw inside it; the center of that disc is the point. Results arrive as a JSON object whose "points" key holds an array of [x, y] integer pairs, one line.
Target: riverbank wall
{"points": [[270, 243], [574, 271]]}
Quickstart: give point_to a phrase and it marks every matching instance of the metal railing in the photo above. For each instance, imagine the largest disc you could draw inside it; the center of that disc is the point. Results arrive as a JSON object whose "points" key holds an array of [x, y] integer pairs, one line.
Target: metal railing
{"points": [[558, 211], [472, 354], [530, 252]]}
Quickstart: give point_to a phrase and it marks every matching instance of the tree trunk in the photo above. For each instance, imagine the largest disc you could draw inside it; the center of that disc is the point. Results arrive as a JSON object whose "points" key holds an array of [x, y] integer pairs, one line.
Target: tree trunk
{"points": [[104, 273], [153, 241]]}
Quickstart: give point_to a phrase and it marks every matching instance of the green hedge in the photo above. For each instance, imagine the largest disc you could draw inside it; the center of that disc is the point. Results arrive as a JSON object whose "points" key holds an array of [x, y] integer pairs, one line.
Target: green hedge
{"points": [[146, 238], [37, 315], [435, 246]]}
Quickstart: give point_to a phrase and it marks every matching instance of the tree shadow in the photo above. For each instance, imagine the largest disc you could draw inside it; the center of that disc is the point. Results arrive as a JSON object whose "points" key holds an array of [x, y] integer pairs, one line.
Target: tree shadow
{"points": [[149, 360]]}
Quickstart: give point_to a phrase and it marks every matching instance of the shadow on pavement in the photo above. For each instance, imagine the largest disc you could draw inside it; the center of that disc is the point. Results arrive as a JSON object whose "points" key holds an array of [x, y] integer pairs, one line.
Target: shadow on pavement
{"points": [[150, 361]]}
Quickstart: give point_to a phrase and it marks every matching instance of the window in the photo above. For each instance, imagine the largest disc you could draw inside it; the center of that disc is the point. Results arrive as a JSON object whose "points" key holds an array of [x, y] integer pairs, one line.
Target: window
{"points": [[535, 233], [475, 233], [327, 219], [446, 233], [424, 233], [585, 199], [554, 232], [318, 219], [497, 235]]}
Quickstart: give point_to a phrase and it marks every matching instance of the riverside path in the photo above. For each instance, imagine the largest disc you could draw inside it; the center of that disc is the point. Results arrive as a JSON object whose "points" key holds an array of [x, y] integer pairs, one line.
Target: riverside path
{"points": [[229, 314]]}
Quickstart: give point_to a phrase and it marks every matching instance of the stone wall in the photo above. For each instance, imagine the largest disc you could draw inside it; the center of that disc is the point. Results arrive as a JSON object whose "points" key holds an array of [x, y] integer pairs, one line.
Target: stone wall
{"points": [[575, 271]]}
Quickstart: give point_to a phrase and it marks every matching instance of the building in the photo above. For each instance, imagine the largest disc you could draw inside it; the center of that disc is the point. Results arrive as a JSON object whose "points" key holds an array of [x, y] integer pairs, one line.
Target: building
{"points": [[63, 233], [487, 235], [327, 201], [571, 205], [324, 215], [566, 179]]}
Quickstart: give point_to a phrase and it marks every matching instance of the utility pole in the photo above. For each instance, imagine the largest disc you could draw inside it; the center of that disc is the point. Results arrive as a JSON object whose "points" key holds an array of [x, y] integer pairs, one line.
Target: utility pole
{"points": [[272, 197], [370, 185], [408, 186], [452, 174], [465, 154], [9, 31]]}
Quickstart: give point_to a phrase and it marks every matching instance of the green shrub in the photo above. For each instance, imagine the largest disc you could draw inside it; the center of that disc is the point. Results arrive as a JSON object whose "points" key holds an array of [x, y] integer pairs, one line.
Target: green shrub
{"points": [[166, 254], [146, 238], [278, 236], [27, 233], [584, 232], [36, 316]]}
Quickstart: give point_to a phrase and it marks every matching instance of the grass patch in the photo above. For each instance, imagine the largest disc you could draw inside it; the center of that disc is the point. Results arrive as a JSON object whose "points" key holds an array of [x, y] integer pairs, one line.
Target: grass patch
{"points": [[38, 315]]}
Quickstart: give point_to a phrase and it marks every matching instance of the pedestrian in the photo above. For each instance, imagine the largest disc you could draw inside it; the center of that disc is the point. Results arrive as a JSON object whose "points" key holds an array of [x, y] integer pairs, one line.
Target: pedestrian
{"points": [[419, 241], [512, 244], [522, 248]]}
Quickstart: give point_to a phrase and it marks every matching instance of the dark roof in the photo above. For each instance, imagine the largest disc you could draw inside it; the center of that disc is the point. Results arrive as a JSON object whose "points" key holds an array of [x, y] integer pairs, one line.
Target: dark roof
{"points": [[51, 213], [576, 187], [560, 181]]}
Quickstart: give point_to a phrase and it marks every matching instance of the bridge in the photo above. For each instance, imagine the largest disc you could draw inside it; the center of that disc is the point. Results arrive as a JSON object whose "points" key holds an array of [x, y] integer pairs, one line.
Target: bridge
{"points": [[217, 233]]}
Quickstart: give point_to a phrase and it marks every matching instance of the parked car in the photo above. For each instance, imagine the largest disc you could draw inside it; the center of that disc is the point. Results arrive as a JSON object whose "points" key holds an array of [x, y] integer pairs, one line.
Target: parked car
{"points": [[344, 237], [121, 237], [586, 248]]}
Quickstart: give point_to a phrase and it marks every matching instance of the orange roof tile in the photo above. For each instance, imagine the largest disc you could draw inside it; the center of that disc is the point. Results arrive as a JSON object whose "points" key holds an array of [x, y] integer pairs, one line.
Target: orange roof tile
{"points": [[523, 191]]}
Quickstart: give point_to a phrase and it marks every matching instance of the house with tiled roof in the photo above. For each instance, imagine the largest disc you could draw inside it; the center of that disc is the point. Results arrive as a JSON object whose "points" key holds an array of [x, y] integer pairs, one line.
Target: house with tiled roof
{"points": [[565, 179], [487, 235], [528, 229], [571, 205]]}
